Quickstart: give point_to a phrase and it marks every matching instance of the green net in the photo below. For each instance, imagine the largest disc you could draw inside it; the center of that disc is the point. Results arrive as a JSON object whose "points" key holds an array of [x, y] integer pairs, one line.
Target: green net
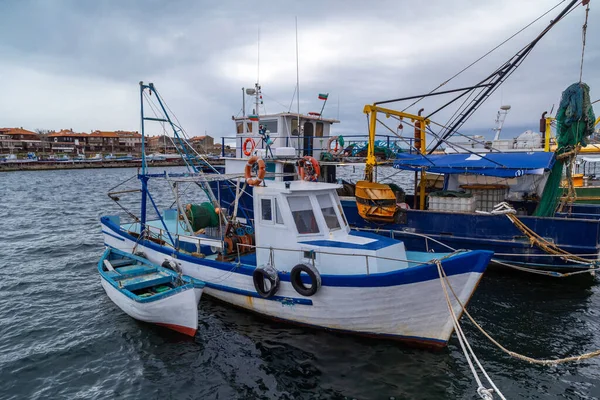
{"points": [[202, 215], [574, 123]]}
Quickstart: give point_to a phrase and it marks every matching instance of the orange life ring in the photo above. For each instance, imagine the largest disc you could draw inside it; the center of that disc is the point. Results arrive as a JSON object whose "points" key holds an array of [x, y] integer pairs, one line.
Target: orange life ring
{"points": [[245, 146], [309, 169], [261, 171]]}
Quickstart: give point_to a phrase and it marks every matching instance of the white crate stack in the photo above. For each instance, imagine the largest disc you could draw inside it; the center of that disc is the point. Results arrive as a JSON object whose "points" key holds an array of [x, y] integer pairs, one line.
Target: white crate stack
{"points": [[487, 198], [456, 204]]}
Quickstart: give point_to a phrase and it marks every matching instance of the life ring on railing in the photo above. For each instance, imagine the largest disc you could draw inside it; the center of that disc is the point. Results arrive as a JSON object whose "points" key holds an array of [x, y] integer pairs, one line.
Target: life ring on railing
{"points": [[339, 144], [261, 171], [313, 275], [262, 274], [308, 169], [245, 146]]}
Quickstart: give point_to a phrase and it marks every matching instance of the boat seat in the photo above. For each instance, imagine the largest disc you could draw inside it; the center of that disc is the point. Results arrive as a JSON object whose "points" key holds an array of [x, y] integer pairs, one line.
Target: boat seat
{"points": [[145, 281], [112, 274], [122, 262], [133, 270]]}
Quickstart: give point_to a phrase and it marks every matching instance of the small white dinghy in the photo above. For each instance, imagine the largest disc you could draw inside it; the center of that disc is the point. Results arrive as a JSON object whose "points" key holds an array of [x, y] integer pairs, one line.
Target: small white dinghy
{"points": [[151, 293]]}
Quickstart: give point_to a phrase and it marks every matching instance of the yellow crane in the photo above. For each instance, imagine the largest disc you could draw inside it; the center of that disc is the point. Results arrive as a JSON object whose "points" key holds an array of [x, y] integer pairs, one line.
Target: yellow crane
{"points": [[376, 201]]}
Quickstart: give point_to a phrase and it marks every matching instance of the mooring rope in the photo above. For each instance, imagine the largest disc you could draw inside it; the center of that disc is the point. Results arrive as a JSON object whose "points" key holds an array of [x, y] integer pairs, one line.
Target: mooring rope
{"points": [[511, 353], [482, 391]]}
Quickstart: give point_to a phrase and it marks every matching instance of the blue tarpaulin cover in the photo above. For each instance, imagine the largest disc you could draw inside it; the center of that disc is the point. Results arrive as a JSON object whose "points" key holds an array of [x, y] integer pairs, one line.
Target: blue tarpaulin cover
{"points": [[506, 165]]}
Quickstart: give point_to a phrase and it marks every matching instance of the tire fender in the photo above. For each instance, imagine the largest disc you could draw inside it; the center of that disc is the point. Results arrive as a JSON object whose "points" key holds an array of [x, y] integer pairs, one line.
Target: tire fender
{"points": [[314, 277]]}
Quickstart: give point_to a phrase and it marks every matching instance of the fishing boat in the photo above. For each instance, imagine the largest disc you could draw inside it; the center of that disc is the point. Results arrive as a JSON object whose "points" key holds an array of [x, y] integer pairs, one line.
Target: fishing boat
{"points": [[298, 261], [149, 292]]}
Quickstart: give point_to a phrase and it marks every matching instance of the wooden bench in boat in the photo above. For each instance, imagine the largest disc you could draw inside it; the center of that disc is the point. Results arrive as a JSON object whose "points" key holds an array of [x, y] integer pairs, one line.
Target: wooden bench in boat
{"points": [[145, 281]]}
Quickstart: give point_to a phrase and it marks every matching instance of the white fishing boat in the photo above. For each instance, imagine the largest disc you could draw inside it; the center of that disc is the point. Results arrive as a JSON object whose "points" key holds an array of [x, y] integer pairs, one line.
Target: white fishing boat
{"points": [[151, 293], [307, 267]]}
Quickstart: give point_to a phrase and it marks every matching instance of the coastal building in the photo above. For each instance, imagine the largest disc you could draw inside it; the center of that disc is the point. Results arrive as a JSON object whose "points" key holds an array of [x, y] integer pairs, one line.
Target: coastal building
{"points": [[103, 141], [160, 144], [67, 141], [203, 144], [129, 142], [18, 140]]}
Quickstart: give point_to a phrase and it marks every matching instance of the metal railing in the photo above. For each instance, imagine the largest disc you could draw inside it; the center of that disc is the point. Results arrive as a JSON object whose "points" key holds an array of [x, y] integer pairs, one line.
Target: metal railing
{"points": [[391, 142]]}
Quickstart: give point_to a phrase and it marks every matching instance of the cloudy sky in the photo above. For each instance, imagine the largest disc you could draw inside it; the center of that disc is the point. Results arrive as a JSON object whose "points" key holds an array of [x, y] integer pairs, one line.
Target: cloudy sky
{"points": [[76, 64]]}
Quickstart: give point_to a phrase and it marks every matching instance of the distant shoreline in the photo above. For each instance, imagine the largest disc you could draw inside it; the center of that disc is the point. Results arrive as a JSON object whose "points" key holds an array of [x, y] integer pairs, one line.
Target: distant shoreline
{"points": [[49, 166]]}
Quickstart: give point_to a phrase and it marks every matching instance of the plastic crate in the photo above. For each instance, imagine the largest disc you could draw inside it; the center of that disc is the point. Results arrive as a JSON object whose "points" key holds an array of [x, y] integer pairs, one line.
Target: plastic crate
{"points": [[487, 196], [455, 204]]}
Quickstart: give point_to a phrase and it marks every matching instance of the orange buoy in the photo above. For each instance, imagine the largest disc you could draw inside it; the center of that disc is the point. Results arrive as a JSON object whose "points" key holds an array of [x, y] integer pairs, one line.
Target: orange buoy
{"points": [[245, 146], [309, 169], [261, 171]]}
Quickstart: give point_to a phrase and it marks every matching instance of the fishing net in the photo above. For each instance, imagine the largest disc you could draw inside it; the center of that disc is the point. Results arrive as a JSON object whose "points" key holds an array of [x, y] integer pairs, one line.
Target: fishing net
{"points": [[574, 124], [202, 215]]}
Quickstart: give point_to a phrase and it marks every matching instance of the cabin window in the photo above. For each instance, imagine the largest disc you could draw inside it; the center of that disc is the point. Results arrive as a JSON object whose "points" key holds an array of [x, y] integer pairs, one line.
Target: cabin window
{"points": [[270, 126], [329, 214], [266, 211], [303, 214], [240, 127], [278, 217]]}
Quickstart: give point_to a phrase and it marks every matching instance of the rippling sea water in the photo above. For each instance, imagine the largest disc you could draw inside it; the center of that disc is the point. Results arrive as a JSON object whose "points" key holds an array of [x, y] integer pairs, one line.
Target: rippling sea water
{"points": [[61, 337]]}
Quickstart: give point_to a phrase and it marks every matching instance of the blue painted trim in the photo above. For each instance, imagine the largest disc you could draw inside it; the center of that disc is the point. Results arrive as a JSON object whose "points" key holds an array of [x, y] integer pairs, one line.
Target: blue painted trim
{"points": [[471, 261], [379, 242], [283, 300], [111, 235]]}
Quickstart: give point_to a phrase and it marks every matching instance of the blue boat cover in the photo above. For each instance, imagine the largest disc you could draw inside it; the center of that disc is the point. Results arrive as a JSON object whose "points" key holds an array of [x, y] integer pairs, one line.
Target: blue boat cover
{"points": [[506, 165]]}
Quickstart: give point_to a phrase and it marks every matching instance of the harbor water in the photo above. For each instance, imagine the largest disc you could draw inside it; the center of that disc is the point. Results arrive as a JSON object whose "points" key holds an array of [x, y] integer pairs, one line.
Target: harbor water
{"points": [[61, 337]]}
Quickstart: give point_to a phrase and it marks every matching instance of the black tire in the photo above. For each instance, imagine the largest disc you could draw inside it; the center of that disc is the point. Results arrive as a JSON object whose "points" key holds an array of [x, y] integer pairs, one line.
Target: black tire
{"points": [[141, 254], [296, 279], [259, 276]]}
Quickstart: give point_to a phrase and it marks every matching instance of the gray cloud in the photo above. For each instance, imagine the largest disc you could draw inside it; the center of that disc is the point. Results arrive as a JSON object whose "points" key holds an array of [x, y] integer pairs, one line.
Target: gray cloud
{"points": [[76, 64]]}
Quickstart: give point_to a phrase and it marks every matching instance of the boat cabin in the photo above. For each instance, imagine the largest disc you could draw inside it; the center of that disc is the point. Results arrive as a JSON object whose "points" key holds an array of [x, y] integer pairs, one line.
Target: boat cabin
{"points": [[285, 140], [303, 222]]}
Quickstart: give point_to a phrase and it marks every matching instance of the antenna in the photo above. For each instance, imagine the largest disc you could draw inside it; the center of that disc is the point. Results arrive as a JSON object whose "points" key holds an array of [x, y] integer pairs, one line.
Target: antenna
{"points": [[297, 77], [500, 120]]}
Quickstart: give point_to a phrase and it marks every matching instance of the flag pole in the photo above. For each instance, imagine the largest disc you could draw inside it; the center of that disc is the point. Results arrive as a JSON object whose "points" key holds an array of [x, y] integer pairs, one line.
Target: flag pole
{"points": [[322, 108]]}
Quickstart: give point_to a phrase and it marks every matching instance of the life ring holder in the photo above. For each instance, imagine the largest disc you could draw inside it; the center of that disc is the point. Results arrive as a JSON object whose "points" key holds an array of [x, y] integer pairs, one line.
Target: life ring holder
{"points": [[296, 279], [262, 170], [259, 276], [245, 146], [309, 169]]}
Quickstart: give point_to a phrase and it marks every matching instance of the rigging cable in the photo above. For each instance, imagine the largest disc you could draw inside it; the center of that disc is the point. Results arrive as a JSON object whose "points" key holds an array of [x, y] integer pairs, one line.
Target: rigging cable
{"points": [[583, 35], [488, 53]]}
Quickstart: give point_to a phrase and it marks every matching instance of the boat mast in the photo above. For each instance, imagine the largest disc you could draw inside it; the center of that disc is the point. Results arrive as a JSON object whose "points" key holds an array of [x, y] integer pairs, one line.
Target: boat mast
{"points": [[298, 80], [493, 81], [143, 177]]}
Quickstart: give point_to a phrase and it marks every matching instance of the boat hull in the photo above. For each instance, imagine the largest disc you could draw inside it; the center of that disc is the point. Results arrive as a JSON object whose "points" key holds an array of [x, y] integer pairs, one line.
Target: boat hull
{"points": [[178, 312], [407, 305]]}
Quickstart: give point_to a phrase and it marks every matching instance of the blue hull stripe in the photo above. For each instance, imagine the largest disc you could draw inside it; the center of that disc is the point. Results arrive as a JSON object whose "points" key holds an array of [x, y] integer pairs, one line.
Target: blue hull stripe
{"points": [[283, 300], [115, 236], [472, 261]]}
